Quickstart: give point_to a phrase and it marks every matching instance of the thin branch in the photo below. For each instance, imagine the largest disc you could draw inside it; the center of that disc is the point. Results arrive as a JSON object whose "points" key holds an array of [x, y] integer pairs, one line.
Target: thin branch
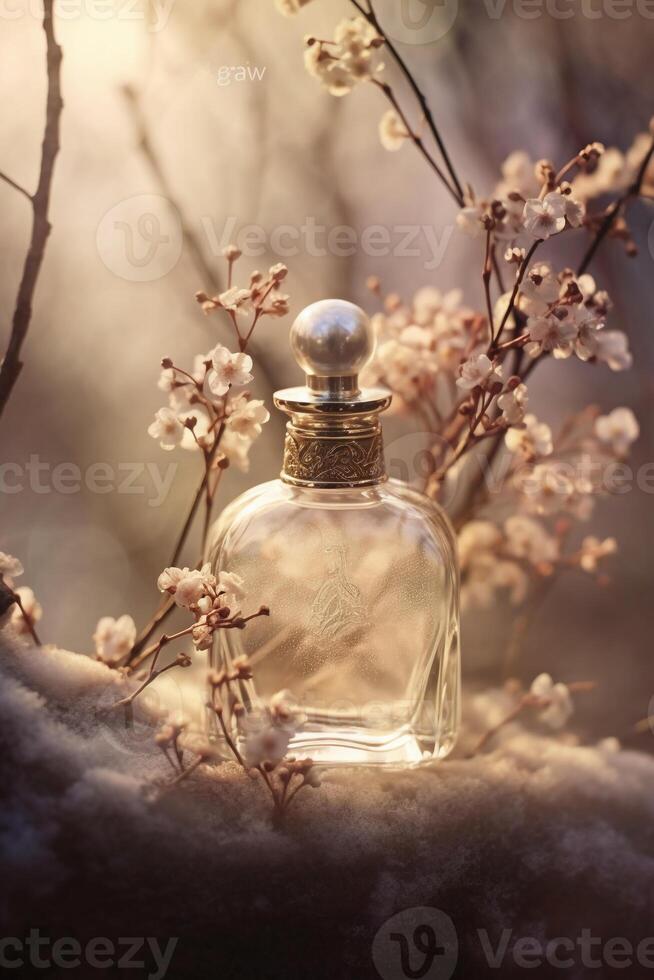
{"points": [[486, 277], [179, 544], [181, 661], [518, 282], [614, 211], [160, 616], [200, 760], [16, 187], [371, 17], [390, 95], [28, 619], [12, 364]]}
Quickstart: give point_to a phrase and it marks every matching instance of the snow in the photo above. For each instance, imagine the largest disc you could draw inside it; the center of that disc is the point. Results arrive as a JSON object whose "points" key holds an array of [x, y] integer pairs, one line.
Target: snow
{"points": [[538, 836]]}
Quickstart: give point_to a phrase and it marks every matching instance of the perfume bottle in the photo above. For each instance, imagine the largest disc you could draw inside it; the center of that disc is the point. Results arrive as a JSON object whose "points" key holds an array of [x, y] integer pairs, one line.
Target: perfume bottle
{"points": [[359, 572]]}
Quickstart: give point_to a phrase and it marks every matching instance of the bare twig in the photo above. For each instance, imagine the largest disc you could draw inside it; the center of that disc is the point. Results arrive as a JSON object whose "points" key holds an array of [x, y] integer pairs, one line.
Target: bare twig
{"points": [[486, 278], [200, 760], [16, 187], [371, 17], [28, 619], [414, 137], [614, 211], [12, 364], [528, 700]]}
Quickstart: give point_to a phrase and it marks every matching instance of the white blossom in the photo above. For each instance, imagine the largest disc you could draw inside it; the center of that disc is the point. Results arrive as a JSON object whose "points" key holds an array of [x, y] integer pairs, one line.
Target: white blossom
{"points": [[613, 349], [277, 304], [552, 335], [485, 571], [228, 369], [349, 60], [392, 131], [202, 635], [247, 416], [575, 211], [518, 176], [187, 585], [469, 220], [237, 300], [201, 434], [10, 567], [539, 289], [285, 712], [232, 583], [475, 538], [488, 574], [400, 368], [167, 428], [31, 608], [619, 429], [532, 439], [267, 744], [170, 579], [513, 404], [236, 449], [559, 709], [479, 371], [546, 217], [278, 271], [552, 489], [114, 638], [193, 585], [593, 550], [527, 538]]}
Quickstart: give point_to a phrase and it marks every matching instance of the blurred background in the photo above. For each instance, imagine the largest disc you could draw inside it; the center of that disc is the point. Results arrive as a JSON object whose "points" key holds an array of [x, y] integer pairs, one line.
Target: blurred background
{"points": [[168, 154]]}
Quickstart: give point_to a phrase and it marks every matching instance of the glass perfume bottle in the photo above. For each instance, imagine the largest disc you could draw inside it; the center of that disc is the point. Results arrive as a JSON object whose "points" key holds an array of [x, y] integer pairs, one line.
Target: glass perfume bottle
{"points": [[359, 572]]}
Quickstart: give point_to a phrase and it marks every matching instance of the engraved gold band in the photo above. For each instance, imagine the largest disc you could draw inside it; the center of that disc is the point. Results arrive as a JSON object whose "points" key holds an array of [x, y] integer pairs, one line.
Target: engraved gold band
{"points": [[336, 458]]}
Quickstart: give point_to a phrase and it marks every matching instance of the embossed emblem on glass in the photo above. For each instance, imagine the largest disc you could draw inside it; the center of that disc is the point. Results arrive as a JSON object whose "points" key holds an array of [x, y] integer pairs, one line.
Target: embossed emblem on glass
{"points": [[338, 603], [359, 571]]}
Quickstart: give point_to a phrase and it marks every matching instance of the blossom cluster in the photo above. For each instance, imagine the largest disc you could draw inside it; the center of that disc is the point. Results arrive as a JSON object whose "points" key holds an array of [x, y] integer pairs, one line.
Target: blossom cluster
{"points": [[19, 607], [260, 737], [528, 203], [553, 481], [566, 314], [532, 202], [349, 59], [420, 342], [205, 411], [214, 602], [262, 297]]}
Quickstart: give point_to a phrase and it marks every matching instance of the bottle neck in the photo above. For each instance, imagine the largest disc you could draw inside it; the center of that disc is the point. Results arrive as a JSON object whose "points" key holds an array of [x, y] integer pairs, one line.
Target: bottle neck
{"points": [[332, 452]]}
